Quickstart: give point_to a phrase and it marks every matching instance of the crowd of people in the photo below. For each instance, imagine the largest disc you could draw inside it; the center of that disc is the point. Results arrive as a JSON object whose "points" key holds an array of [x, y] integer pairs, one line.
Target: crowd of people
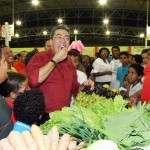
{"points": [[35, 84]]}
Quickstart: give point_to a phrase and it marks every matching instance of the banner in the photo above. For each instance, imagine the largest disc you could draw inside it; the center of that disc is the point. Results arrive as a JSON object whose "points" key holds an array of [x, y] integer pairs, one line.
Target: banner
{"points": [[10, 31]]}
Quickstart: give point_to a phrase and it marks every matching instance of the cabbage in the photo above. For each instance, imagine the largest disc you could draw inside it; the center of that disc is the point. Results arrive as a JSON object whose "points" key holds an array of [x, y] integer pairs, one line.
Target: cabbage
{"points": [[103, 145]]}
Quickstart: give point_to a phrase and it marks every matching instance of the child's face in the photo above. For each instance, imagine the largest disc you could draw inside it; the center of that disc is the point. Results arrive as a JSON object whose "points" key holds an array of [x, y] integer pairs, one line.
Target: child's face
{"points": [[126, 82], [124, 60], [133, 77], [74, 59], [3, 69], [130, 59], [145, 58], [115, 53]]}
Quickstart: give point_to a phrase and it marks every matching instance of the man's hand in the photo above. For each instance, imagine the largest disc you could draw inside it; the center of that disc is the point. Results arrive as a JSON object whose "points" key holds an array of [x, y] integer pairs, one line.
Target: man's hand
{"points": [[60, 55], [135, 98], [87, 83]]}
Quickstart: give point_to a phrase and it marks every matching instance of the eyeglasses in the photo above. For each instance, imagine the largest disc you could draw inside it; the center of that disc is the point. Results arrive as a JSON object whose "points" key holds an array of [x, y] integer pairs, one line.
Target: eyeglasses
{"points": [[59, 37]]}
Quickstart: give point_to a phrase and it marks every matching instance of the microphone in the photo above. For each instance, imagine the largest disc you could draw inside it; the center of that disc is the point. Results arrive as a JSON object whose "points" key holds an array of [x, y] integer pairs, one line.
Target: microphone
{"points": [[62, 47]]}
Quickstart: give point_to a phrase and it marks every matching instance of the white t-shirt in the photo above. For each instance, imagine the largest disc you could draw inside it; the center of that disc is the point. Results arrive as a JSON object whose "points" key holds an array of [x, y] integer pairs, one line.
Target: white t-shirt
{"points": [[100, 66], [81, 76], [115, 63], [134, 89], [115, 84]]}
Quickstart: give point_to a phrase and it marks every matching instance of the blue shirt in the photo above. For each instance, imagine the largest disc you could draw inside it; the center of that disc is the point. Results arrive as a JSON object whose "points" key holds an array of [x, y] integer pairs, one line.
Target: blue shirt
{"points": [[20, 127], [121, 72]]}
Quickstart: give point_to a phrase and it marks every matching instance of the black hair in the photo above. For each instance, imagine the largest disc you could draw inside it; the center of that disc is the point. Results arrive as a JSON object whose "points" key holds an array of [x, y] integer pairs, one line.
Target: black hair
{"points": [[101, 49], [19, 54], [138, 58], [12, 83], [117, 47], [139, 69], [29, 56], [87, 56], [74, 52], [16, 57], [62, 26], [29, 105], [144, 51], [124, 53], [131, 55]]}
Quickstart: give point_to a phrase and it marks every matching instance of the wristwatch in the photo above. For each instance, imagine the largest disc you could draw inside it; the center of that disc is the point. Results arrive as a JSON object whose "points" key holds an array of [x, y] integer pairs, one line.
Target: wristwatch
{"points": [[54, 62]]}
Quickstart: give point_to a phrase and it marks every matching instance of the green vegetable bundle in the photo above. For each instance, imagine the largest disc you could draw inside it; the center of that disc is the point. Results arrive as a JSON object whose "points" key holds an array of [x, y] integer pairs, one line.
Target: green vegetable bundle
{"points": [[130, 128], [65, 115]]}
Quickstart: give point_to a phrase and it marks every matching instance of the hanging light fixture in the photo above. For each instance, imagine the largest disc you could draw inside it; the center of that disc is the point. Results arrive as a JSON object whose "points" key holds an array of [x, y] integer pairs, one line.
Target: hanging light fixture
{"points": [[107, 32], [105, 21], [102, 2], [18, 23], [44, 32], [17, 35], [35, 2], [60, 20]]}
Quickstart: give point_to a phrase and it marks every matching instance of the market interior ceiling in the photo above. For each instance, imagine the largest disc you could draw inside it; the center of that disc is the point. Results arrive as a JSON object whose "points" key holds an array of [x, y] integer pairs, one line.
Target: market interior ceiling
{"points": [[127, 20]]}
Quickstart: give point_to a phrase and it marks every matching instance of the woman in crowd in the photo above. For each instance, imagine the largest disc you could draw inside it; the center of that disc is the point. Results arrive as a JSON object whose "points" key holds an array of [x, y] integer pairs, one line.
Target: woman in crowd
{"points": [[102, 68]]}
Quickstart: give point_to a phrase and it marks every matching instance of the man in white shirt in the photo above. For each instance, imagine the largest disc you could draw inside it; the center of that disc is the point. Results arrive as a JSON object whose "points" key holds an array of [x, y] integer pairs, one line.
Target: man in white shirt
{"points": [[115, 63]]}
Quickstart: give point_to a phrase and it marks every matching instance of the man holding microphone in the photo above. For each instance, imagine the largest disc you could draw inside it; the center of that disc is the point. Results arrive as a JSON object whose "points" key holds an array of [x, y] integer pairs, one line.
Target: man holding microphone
{"points": [[53, 73]]}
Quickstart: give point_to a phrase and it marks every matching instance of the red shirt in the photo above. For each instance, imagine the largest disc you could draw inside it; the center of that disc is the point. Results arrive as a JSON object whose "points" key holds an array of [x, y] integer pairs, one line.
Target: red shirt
{"points": [[59, 85], [20, 67], [12, 106], [145, 96]]}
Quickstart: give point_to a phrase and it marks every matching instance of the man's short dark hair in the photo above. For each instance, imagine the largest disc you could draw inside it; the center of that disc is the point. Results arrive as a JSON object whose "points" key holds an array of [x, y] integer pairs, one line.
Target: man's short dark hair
{"points": [[144, 51], [74, 52], [29, 105], [64, 27], [124, 53], [12, 84], [117, 47]]}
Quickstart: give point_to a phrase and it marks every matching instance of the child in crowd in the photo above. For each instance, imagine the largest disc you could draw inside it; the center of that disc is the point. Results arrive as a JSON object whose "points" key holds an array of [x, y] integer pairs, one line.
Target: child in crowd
{"points": [[135, 74], [16, 83], [28, 108], [123, 69], [122, 90], [130, 58], [145, 57]]}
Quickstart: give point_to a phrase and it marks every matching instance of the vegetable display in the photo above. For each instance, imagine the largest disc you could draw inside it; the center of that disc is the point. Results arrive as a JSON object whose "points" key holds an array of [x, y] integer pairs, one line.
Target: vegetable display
{"points": [[37, 141], [103, 145], [65, 115], [108, 119], [102, 124]]}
